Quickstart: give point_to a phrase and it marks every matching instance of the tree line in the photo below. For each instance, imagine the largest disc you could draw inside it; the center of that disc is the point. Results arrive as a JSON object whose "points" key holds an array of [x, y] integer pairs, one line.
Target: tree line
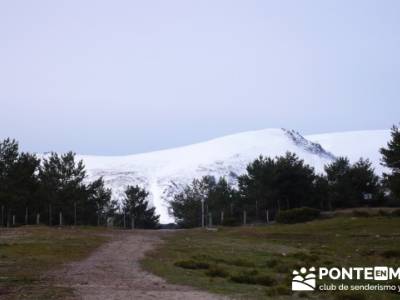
{"points": [[53, 191], [286, 182]]}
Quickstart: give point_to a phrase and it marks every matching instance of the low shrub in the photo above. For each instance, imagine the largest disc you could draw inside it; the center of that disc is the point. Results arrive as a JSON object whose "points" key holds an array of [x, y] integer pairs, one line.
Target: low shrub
{"points": [[396, 213], [361, 214], [278, 290], [391, 253], [217, 271], [384, 213], [244, 278], [297, 215], [240, 262], [248, 278], [303, 295], [272, 263], [265, 280], [231, 222], [282, 268], [192, 264], [305, 257]]}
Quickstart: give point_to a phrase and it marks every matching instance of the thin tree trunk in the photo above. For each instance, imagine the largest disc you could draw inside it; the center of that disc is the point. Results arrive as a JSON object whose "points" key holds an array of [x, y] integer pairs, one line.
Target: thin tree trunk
{"points": [[202, 214], [26, 216], [256, 210], [75, 213], [2, 215], [50, 217]]}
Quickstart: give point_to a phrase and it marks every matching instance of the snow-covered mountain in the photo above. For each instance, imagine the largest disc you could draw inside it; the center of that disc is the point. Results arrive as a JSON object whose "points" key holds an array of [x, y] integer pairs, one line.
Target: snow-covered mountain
{"points": [[164, 173]]}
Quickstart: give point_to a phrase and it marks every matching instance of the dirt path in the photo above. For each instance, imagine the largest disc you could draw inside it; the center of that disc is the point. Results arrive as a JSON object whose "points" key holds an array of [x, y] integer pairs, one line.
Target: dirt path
{"points": [[113, 272]]}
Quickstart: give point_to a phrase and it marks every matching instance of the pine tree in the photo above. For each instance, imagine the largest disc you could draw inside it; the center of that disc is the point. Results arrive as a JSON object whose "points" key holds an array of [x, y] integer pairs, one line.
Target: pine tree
{"points": [[217, 196], [391, 160], [61, 185], [272, 184], [137, 207], [99, 205], [18, 181], [186, 205], [349, 183]]}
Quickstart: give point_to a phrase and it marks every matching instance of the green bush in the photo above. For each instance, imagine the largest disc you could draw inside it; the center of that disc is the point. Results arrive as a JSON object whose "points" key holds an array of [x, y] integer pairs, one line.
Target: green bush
{"points": [[192, 264], [244, 278], [278, 290], [303, 295], [361, 214], [383, 213], [240, 262], [283, 268], [249, 278], [391, 253], [297, 215], [265, 280], [217, 271], [305, 257], [396, 213], [271, 263], [230, 222]]}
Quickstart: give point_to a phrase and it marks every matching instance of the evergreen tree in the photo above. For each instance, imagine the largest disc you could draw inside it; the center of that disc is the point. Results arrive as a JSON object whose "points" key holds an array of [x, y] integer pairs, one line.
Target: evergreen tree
{"points": [[24, 186], [217, 197], [219, 200], [99, 205], [18, 181], [186, 205], [137, 207], [273, 184], [340, 190], [349, 184], [391, 160], [8, 159], [294, 180], [257, 188], [320, 196], [61, 186]]}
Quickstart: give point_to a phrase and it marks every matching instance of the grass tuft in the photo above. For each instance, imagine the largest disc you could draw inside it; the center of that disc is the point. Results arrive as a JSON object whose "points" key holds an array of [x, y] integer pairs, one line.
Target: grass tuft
{"points": [[192, 264], [217, 271]]}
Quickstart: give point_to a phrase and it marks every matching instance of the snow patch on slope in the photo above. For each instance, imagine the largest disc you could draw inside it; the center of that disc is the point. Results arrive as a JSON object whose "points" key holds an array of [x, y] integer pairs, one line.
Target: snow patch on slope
{"points": [[355, 144], [165, 173]]}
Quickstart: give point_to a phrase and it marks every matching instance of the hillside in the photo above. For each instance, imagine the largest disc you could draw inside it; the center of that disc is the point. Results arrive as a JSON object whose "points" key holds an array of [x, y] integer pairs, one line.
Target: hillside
{"points": [[165, 172]]}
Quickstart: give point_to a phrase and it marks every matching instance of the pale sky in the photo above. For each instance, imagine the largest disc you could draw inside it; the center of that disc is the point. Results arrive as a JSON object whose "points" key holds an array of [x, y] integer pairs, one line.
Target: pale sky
{"points": [[122, 77]]}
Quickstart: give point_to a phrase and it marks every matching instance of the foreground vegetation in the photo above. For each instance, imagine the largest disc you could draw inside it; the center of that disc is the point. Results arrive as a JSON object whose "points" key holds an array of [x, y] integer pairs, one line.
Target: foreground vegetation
{"points": [[257, 262], [28, 253]]}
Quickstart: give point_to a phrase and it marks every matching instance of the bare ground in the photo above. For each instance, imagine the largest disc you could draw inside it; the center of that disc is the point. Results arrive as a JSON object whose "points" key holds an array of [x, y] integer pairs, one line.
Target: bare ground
{"points": [[114, 272]]}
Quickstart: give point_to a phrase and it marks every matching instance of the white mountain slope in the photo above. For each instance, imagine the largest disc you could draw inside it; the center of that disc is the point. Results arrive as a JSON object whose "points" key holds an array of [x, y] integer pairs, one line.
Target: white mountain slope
{"points": [[164, 173], [355, 144]]}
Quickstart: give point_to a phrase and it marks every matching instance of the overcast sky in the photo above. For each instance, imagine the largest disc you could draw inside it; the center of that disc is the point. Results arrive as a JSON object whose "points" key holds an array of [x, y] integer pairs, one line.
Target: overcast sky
{"points": [[122, 77]]}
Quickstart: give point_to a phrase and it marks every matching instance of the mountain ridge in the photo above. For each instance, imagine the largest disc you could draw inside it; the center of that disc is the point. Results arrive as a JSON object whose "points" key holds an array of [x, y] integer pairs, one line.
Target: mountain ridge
{"points": [[165, 172]]}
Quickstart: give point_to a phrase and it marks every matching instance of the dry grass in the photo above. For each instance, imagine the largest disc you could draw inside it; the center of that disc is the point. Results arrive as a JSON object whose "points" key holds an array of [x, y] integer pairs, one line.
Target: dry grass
{"points": [[27, 253]]}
